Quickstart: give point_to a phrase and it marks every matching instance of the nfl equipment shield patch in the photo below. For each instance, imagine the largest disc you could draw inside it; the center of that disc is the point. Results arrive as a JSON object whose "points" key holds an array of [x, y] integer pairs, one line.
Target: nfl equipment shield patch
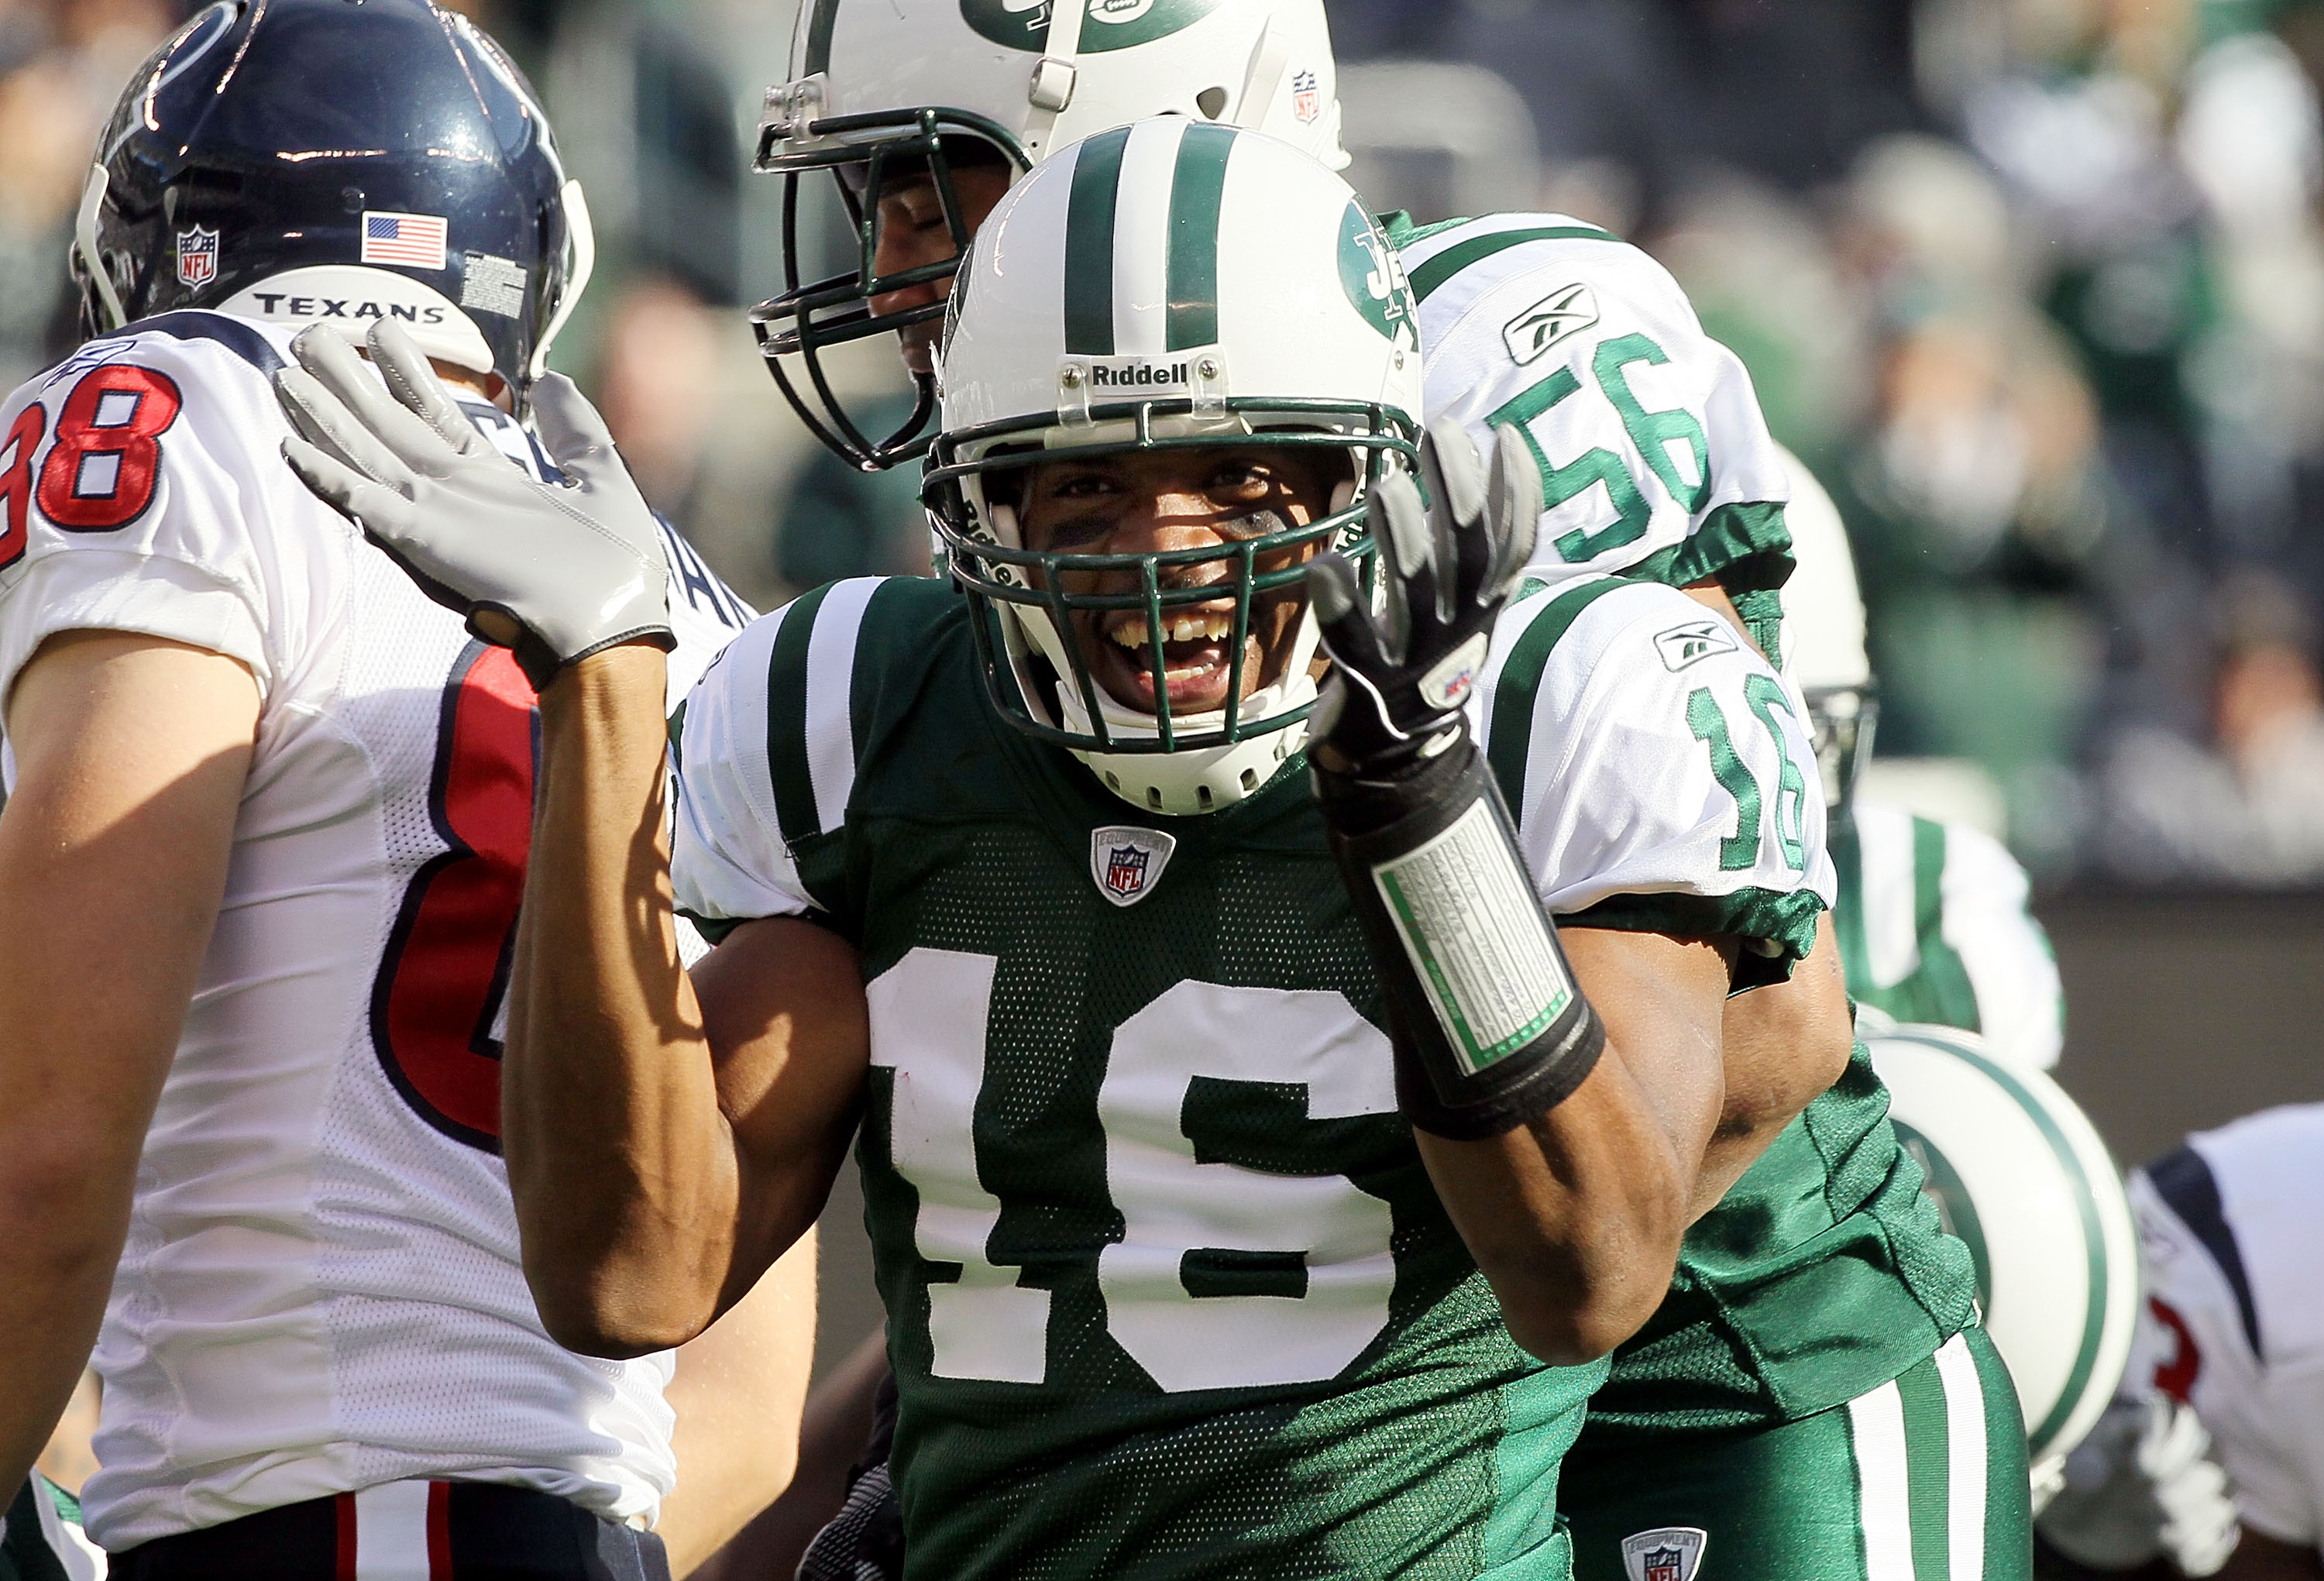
{"points": [[1126, 861], [1668, 1553], [198, 256], [1306, 97]]}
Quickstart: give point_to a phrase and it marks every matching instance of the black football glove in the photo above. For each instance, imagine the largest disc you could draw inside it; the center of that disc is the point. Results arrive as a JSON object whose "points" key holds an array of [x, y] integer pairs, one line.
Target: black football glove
{"points": [[1394, 695]]}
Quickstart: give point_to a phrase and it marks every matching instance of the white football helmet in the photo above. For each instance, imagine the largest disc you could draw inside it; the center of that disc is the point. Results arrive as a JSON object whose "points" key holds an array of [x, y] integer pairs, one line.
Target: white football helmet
{"points": [[1823, 636], [2019, 1173], [1162, 286], [885, 86]]}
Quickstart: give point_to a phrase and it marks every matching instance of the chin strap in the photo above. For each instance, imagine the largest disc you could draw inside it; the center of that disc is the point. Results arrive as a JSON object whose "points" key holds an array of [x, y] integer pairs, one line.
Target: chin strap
{"points": [[1051, 87]]}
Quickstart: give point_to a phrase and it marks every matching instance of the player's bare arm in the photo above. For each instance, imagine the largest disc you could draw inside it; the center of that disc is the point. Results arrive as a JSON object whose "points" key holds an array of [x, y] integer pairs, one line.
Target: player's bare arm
{"points": [[130, 754], [722, 1101]]}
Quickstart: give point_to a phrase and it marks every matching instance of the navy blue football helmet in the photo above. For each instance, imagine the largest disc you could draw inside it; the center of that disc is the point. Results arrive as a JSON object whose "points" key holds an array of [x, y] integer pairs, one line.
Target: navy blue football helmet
{"points": [[336, 162]]}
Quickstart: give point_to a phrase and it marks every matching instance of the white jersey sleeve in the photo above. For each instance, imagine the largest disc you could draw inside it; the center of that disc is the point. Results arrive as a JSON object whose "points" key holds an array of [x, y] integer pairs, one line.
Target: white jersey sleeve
{"points": [[1655, 458], [746, 799], [1659, 770], [131, 500], [2020, 1003], [2228, 1230]]}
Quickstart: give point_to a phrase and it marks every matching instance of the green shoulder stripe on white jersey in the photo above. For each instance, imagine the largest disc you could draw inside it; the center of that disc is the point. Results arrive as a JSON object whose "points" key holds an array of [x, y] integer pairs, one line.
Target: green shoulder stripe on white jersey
{"points": [[1427, 276], [813, 708], [1509, 737]]}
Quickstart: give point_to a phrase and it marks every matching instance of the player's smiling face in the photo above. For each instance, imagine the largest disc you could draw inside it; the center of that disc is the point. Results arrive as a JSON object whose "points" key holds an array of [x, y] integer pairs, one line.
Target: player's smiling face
{"points": [[1147, 502]]}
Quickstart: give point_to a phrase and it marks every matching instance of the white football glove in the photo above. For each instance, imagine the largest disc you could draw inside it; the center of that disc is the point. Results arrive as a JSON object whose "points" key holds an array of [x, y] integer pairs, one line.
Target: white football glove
{"points": [[2140, 1487], [555, 573]]}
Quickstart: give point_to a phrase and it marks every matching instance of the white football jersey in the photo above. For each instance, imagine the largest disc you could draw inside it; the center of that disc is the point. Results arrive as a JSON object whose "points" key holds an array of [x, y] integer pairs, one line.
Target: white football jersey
{"points": [[1654, 457], [2230, 1229], [320, 1290]]}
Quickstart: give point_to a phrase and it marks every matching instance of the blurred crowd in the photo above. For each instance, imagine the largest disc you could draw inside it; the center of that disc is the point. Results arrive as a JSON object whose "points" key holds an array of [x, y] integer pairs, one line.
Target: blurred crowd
{"points": [[2036, 287]]}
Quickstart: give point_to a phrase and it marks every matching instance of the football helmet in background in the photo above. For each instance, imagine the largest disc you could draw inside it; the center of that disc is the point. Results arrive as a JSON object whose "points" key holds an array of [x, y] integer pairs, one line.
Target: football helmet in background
{"points": [[882, 88], [1166, 285], [1824, 637], [2019, 1173], [298, 160]]}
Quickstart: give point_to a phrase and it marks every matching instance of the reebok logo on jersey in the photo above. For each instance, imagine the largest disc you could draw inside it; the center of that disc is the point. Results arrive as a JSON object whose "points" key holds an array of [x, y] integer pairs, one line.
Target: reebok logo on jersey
{"points": [[1565, 311], [1126, 861], [1693, 642], [1668, 1553]]}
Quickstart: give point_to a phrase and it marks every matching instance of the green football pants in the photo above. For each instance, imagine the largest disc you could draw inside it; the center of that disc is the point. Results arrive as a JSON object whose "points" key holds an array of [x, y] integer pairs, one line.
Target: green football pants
{"points": [[1923, 1479]]}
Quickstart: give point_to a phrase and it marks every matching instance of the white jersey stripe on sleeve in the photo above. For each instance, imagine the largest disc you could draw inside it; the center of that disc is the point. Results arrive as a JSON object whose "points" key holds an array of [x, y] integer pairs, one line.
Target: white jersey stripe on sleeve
{"points": [[830, 693]]}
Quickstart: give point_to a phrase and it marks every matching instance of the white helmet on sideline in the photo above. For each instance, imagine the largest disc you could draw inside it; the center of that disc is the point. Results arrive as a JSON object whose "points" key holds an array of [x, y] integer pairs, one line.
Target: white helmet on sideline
{"points": [[1823, 636], [1164, 286]]}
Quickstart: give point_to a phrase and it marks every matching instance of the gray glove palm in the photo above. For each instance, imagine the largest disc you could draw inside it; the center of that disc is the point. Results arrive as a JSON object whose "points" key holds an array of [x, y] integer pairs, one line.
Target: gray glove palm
{"points": [[555, 573]]}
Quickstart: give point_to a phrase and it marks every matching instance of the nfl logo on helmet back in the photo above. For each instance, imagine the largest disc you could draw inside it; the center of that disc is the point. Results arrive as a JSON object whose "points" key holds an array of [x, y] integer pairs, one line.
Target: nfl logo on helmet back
{"points": [[1306, 98], [1126, 861], [198, 256], [1668, 1553]]}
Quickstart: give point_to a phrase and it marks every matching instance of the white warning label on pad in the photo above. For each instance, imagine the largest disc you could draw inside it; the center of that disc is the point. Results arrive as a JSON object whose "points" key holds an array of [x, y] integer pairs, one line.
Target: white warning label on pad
{"points": [[1463, 906]]}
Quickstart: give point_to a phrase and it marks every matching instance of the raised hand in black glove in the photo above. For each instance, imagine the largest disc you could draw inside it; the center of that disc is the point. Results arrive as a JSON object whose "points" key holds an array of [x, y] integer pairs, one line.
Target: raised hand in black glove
{"points": [[1489, 1026], [1448, 566]]}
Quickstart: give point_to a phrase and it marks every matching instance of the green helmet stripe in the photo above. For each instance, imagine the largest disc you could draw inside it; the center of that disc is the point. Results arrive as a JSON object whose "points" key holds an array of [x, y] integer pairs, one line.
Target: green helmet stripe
{"points": [[1428, 276], [818, 36], [1509, 741], [1089, 245], [1196, 187]]}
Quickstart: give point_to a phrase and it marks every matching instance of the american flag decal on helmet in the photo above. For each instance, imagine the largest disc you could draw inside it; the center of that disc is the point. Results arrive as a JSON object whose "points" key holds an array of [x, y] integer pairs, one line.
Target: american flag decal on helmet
{"points": [[415, 241]]}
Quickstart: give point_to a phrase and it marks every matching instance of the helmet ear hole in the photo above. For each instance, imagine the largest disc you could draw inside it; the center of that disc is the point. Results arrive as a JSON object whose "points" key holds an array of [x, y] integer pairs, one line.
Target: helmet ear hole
{"points": [[1211, 102], [1344, 494]]}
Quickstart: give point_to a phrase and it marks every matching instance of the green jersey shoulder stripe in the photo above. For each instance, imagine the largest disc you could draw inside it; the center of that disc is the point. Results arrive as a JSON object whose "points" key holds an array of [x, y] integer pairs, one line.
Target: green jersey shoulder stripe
{"points": [[1435, 271], [812, 707], [1196, 186], [1089, 244], [1509, 734]]}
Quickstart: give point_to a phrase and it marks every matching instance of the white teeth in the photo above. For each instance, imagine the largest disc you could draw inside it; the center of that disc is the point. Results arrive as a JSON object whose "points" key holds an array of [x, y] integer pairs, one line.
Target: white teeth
{"points": [[1207, 626]]}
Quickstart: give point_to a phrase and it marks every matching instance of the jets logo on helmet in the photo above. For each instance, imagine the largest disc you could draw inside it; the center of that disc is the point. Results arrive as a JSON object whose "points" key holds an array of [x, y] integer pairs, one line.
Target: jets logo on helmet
{"points": [[1374, 278], [888, 92], [1192, 265]]}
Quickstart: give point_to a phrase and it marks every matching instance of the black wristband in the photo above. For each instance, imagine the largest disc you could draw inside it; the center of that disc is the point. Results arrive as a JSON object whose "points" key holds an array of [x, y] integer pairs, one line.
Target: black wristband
{"points": [[1490, 1027]]}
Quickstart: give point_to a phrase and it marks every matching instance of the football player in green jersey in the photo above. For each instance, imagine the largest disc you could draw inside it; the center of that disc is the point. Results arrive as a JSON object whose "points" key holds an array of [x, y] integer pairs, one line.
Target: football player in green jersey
{"points": [[1192, 1268], [1654, 464]]}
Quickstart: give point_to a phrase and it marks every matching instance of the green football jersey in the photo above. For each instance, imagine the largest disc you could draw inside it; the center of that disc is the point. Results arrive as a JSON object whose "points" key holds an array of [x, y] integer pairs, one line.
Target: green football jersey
{"points": [[1170, 1293]]}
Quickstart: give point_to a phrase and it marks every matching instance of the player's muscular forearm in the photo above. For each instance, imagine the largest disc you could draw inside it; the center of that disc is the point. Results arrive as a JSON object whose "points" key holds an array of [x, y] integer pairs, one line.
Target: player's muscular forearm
{"points": [[1576, 1217], [1785, 1044], [132, 754], [654, 1180]]}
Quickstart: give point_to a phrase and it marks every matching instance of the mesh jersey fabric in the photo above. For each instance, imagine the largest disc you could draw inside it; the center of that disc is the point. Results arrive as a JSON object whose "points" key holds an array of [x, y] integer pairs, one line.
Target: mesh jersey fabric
{"points": [[1934, 926], [1656, 461], [2229, 1228], [320, 1287], [1170, 1293]]}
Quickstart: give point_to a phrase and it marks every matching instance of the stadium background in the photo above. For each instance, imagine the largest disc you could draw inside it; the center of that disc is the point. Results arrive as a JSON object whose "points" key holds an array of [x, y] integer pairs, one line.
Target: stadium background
{"points": [[2035, 286]]}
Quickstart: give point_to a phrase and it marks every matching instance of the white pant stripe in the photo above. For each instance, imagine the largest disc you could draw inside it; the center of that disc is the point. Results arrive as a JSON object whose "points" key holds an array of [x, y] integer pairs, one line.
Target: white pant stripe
{"points": [[1877, 1424], [1964, 1452], [392, 1532]]}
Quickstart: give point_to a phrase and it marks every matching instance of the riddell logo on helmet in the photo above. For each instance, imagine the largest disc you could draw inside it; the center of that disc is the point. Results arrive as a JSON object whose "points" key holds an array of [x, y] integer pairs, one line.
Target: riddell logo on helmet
{"points": [[1137, 375]]}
